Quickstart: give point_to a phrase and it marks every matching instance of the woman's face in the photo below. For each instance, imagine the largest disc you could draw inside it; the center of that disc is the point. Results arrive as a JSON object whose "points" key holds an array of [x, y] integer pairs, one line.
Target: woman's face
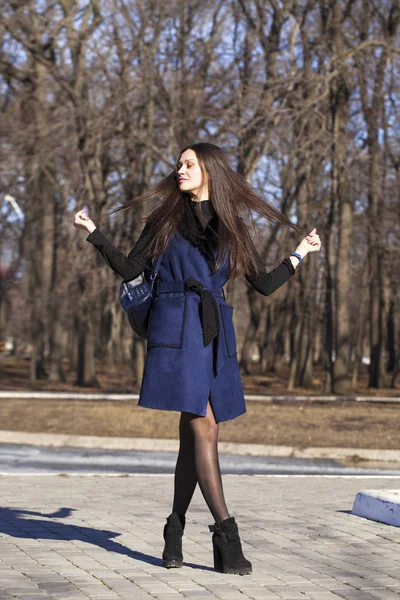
{"points": [[190, 176]]}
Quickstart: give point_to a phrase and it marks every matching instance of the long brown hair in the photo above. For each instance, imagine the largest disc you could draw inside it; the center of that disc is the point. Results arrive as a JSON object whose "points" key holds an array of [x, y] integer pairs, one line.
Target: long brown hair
{"points": [[232, 198]]}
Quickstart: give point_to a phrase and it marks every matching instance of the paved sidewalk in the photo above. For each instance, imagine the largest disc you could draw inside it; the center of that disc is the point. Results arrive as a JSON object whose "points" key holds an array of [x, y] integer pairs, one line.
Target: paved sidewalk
{"points": [[79, 537]]}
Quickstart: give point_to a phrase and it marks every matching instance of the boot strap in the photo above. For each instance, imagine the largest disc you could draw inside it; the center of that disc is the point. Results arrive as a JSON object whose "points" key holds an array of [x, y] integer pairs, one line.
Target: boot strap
{"points": [[230, 535]]}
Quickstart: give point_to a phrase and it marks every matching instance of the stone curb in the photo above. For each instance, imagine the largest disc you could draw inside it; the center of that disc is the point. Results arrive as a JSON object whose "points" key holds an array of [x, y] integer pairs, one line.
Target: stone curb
{"points": [[378, 505], [162, 445], [249, 397]]}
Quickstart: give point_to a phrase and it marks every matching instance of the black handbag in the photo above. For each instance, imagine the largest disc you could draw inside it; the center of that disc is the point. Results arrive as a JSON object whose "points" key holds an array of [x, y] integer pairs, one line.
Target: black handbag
{"points": [[136, 297]]}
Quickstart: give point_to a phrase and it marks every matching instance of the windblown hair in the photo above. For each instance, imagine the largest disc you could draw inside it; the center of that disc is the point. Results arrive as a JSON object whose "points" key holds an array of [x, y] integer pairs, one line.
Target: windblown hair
{"points": [[232, 198]]}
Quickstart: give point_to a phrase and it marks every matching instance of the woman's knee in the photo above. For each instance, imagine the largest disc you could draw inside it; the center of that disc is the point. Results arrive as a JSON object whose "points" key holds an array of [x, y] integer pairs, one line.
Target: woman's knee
{"points": [[206, 427]]}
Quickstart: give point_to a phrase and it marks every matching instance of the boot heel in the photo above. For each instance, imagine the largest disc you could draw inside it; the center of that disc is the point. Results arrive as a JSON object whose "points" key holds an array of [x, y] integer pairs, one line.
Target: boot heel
{"points": [[173, 531], [217, 557], [172, 564]]}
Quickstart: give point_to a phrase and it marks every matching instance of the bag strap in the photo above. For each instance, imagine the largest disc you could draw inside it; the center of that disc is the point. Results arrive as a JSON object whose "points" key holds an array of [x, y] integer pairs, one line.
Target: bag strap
{"points": [[156, 268]]}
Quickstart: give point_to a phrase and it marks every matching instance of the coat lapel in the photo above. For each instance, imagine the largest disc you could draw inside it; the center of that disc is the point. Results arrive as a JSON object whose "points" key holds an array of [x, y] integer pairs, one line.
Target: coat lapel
{"points": [[205, 239]]}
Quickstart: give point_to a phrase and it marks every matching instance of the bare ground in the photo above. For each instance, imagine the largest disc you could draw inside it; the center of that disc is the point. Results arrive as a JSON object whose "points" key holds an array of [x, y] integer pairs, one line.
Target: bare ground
{"points": [[301, 424]]}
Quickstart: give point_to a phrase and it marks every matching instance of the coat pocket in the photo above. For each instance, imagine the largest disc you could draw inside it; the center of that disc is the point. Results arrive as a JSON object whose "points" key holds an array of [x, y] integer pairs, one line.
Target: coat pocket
{"points": [[167, 321], [229, 329]]}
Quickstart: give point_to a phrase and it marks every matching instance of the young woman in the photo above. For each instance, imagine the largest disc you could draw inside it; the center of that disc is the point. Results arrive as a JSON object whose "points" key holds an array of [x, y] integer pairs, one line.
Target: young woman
{"points": [[191, 363]]}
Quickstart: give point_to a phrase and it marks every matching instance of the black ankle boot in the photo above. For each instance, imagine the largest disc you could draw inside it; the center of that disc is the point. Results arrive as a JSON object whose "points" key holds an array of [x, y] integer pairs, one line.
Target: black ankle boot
{"points": [[227, 547], [173, 532]]}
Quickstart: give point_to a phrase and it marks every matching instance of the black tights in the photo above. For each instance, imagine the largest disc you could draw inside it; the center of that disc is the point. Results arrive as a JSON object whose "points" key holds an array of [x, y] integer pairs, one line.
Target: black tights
{"points": [[198, 462]]}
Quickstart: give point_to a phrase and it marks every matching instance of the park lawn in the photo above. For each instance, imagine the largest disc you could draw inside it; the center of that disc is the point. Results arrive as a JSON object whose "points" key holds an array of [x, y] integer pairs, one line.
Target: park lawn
{"points": [[300, 424], [296, 423]]}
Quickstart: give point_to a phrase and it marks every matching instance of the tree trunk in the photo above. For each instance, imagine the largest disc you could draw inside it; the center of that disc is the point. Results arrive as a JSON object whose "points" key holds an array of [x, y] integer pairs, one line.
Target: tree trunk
{"points": [[86, 371], [340, 97], [255, 304]]}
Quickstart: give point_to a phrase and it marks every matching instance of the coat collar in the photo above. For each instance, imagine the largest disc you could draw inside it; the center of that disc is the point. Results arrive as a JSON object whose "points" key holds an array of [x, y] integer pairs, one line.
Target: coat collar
{"points": [[190, 224]]}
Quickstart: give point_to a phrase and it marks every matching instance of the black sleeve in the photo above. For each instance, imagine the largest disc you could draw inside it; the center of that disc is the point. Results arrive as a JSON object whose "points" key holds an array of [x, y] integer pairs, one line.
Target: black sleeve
{"points": [[267, 283], [127, 267]]}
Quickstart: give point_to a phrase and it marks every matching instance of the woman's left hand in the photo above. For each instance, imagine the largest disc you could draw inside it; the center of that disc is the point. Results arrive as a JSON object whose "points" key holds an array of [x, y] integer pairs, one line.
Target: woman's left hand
{"points": [[311, 243]]}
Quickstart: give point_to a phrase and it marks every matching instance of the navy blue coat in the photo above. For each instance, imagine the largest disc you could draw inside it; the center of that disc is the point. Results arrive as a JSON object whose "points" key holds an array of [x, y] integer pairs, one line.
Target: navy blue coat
{"points": [[180, 373]]}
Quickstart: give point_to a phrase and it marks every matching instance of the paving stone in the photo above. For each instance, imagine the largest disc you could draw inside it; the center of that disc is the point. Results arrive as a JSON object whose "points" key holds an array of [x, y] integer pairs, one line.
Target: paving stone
{"points": [[303, 547], [169, 596], [30, 596], [201, 594], [262, 595]]}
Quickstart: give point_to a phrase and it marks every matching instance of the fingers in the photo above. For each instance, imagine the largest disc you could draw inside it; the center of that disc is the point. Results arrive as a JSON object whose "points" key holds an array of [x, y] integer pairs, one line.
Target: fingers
{"points": [[311, 242], [80, 219], [313, 238], [313, 233], [81, 215]]}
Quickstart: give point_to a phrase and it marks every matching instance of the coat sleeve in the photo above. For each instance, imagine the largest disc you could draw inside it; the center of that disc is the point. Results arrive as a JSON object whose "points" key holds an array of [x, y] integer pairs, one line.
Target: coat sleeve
{"points": [[266, 283], [127, 267]]}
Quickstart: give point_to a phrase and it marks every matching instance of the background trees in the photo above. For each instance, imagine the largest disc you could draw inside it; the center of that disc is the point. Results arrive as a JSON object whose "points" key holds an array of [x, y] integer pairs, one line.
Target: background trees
{"points": [[97, 99]]}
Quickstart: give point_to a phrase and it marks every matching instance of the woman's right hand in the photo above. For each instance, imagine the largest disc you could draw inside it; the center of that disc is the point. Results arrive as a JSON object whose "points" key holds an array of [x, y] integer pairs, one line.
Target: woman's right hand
{"points": [[82, 221]]}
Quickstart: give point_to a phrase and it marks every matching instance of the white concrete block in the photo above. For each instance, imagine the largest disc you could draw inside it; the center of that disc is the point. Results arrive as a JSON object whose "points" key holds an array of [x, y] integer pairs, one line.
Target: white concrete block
{"points": [[378, 505]]}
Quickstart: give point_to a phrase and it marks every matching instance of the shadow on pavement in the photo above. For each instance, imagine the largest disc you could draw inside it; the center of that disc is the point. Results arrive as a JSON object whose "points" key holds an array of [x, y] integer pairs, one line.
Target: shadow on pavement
{"points": [[15, 525]]}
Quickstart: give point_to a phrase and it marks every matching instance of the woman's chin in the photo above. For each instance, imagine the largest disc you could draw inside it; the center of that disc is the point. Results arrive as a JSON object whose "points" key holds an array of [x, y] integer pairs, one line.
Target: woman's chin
{"points": [[186, 190]]}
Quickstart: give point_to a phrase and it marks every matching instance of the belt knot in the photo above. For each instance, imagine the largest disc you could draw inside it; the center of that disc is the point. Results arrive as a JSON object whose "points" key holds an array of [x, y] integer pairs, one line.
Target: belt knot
{"points": [[209, 309]]}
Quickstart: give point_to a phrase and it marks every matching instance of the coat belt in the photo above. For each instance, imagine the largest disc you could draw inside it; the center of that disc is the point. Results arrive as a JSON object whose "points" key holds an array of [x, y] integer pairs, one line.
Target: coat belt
{"points": [[209, 307]]}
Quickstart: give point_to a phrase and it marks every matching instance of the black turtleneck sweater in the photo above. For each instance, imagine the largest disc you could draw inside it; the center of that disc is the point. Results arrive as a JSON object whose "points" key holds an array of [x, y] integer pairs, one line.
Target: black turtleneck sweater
{"points": [[132, 265]]}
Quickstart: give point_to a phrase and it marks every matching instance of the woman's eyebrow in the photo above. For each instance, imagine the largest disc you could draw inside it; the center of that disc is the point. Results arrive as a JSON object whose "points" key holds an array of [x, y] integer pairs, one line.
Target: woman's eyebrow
{"points": [[187, 160]]}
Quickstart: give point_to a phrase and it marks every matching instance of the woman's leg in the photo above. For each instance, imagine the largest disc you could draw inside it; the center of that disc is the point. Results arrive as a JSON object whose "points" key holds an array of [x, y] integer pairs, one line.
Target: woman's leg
{"points": [[198, 462], [205, 438], [185, 471], [185, 484]]}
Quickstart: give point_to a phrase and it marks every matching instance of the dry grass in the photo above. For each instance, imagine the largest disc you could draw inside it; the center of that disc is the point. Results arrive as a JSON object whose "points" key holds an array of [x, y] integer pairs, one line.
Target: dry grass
{"points": [[349, 424], [334, 424]]}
